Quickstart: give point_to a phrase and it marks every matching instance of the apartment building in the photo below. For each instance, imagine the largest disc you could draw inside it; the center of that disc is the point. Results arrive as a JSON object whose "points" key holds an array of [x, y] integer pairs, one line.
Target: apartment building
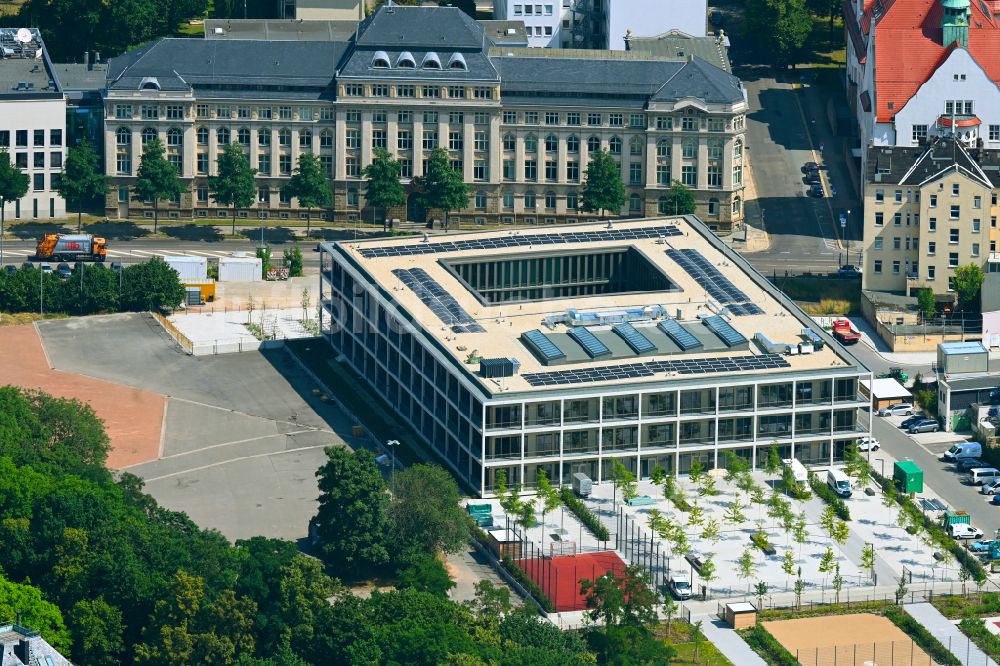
{"points": [[520, 124], [569, 348], [928, 210], [32, 122]]}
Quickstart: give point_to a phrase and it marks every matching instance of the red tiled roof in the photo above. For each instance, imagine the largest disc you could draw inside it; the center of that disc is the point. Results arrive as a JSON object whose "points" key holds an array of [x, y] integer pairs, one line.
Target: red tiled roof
{"points": [[908, 50]]}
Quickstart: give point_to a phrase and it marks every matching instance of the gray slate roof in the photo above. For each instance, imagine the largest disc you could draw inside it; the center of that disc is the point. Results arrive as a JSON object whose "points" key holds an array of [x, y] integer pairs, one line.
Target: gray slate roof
{"points": [[281, 29], [421, 28], [912, 165], [677, 44]]}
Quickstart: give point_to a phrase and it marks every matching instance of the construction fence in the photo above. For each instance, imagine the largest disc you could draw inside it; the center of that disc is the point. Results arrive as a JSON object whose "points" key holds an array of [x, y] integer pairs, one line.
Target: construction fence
{"points": [[889, 653]]}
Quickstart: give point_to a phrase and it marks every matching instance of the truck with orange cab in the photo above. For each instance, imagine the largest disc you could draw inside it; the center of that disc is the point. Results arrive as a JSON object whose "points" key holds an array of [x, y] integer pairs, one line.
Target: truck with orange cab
{"points": [[71, 247]]}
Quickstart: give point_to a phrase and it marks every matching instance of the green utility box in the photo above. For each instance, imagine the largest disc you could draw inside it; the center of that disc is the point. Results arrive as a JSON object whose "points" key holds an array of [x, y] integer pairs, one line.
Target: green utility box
{"points": [[908, 477], [956, 518]]}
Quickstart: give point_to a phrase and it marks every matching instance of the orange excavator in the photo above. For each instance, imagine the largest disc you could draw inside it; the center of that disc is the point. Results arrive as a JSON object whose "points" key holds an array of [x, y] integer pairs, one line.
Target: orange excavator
{"points": [[75, 247]]}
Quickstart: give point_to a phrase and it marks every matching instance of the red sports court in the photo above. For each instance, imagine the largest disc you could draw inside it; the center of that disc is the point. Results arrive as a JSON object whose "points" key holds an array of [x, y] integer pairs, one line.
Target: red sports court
{"points": [[559, 577]]}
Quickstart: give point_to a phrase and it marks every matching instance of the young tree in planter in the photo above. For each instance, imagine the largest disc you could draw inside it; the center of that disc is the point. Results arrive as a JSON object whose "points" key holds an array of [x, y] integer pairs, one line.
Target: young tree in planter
{"points": [[708, 572], [384, 188], [772, 464], [800, 586], [734, 513], [706, 485], [826, 562], [746, 566], [868, 560], [837, 583], [710, 530], [13, 185], [234, 185], [157, 178], [310, 185], [441, 186], [603, 188], [548, 498], [696, 472], [81, 178], [788, 564], [760, 591]]}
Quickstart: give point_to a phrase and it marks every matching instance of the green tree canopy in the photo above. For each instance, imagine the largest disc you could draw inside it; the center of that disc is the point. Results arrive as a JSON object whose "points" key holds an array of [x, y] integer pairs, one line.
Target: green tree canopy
{"points": [[234, 185], [13, 184], [925, 302], [680, 200], [384, 188], [781, 26], [353, 518], [310, 185], [82, 178], [28, 603], [426, 511], [157, 178], [151, 285], [968, 286], [98, 632], [441, 186], [603, 189]]}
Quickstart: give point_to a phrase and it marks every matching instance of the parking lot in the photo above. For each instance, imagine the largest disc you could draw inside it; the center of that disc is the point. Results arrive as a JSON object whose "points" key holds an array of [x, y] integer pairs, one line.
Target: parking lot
{"points": [[242, 435]]}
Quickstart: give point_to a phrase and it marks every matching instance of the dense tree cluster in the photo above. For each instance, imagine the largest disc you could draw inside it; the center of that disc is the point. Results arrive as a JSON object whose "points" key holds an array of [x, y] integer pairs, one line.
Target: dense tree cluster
{"points": [[92, 289]]}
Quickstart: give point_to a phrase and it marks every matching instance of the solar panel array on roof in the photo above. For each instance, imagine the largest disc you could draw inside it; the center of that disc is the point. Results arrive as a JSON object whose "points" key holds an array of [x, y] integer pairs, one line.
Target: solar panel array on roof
{"points": [[589, 342], [547, 349], [639, 343], [692, 366], [438, 300], [680, 335], [718, 286], [724, 330], [520, 240]]}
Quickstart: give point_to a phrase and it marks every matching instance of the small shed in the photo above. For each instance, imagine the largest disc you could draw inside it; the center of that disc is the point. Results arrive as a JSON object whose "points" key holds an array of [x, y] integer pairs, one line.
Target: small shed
{"points": [[504, 543], [908, 477], [240, 269], [884, 392], [188, 267], [741, 615], [958, 358]]}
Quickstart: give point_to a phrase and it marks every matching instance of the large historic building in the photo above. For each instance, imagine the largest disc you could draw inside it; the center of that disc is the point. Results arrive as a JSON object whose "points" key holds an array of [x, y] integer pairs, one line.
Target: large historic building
{"points": [[520, 124], [648, 342]]}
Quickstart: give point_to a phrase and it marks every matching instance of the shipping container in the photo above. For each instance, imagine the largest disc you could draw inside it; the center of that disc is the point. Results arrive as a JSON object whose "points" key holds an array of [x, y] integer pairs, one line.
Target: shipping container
{"points": [[189, 268], [239, 269], [908, 477], [957, 358]]}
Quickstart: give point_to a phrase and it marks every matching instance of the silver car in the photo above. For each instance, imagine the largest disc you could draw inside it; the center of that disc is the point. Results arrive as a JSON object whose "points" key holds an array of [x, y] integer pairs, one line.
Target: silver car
{"points": [[924, 425], [899, 409], [990, 488]]}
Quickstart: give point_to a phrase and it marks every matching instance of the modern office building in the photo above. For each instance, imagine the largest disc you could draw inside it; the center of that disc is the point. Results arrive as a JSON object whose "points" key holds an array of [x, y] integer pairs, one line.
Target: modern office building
{"points": [[929, 210], [568, 348], [520, 124], [32, 122]]}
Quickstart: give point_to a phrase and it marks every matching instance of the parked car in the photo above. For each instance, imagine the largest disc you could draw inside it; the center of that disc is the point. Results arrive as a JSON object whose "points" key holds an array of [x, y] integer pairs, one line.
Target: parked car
{"points": [[963, 450], [63, 270], [868, 444], [817, 191], [810, 166], [679, 586], [46, 268], [924, 425], [907, 422], [995, 500], [116, 265], [849, 271], [990, 488], [10, 268], [812, 177], [980, 475], [964, 531], [965, 464], [982, 546], [899, 409]]}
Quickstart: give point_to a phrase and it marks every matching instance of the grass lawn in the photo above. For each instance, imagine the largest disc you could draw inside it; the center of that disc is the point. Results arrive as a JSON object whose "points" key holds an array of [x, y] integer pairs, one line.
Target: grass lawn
{"points": [[821, 296], [680, 638]]}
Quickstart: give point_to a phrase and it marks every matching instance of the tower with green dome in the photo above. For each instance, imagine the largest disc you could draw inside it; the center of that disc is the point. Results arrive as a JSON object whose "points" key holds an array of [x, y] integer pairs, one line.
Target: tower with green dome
{"points": [[955, 22]]}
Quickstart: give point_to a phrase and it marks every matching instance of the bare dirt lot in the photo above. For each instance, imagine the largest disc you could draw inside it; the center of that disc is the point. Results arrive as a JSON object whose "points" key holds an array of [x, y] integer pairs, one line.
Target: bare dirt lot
{"points": [[847, 640], [133, 417]]}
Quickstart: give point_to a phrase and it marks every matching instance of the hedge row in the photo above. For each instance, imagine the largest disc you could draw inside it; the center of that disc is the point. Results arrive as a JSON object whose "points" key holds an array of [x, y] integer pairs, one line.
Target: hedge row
{"points": [[768, 647], [584, 515], [827, 494], [521, 577], [927, 642]]}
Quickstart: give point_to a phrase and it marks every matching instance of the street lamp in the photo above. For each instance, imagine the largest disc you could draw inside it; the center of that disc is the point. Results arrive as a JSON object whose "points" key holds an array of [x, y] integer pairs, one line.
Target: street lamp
{"points": [[392, 444]]}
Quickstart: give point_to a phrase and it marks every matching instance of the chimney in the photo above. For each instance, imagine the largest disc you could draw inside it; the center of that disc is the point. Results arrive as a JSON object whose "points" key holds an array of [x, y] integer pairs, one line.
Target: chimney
{"points": [[23, 651], [86, 59], [955, 17], [97, 57]]}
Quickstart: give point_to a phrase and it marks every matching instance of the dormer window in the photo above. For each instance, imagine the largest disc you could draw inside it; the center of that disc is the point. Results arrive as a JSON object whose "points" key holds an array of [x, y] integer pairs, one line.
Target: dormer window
{"points": [[457, 61], [380, 60], [431, 61], [149, 83], [406, 61]]}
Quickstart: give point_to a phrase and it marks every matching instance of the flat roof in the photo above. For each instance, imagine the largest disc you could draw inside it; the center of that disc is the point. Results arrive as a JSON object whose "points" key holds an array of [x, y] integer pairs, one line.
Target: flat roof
{"points": [[399, 266], [962, 348], [886, 388], [24, 66]]}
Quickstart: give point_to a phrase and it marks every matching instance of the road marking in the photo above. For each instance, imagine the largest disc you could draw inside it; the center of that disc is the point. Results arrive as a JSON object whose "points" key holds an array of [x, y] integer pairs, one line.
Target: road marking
{"points": [[233, 460], [244, 441], [144, 253]]}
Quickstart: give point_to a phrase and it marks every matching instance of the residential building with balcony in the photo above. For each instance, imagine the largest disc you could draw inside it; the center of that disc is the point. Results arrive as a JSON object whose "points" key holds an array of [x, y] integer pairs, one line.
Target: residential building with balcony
{"points": [[569, 348], [520, 124]]}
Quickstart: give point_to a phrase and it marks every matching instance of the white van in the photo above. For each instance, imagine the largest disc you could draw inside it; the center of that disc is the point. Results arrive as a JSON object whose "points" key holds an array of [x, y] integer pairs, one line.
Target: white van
{"points": [[963, 450], [799, 471], [839, 482], [980, 475]]}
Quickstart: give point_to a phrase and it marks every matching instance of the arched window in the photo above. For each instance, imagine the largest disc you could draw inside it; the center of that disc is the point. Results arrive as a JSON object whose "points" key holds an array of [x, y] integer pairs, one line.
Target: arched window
{"points": [[738, 148], [593, 144], [326, 139], [573, 144], [529, 200], [736, 206], [124, 136], [635, 145], [285, 137], [661, 206], [406, 61], [550, 200], [431, 61], [713, 206], [202, 136], [457, 61], [175, 137], [663, 148], [509, 143], [243, 136], [222, 136], [531, 143], [148, 134], [149, 83], [305, 138], [634, 203], [615, 146], [551, 143], [380, 60]]}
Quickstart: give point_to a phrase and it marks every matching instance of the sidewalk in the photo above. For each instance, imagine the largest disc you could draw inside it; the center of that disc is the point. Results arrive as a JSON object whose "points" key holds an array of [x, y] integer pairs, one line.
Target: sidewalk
{"points": [[757, 238], [957, 643], [728, 641]]}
